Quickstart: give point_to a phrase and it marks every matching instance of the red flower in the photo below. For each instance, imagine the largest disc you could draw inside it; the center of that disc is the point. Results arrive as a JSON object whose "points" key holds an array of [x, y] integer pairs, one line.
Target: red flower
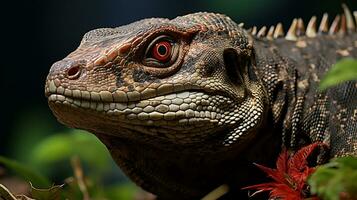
{"points": [[290, 175]]}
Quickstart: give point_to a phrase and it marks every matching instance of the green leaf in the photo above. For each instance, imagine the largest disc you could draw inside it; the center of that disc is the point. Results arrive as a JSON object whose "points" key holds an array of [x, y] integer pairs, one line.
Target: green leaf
{"points": [[32, 124], [121, 191], [25, 172], [336, 180], [61, 147], [345, 162], [344, 70], [53, 193]]}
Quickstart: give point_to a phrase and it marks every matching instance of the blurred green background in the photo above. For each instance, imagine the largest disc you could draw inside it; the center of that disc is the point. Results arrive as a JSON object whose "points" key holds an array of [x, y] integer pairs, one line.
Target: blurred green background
{"points": [[37, 33]]}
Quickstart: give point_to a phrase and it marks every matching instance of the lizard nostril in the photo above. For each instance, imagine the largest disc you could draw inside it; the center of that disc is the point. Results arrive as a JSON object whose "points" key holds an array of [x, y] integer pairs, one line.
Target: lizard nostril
{"points": [[74, 72]]}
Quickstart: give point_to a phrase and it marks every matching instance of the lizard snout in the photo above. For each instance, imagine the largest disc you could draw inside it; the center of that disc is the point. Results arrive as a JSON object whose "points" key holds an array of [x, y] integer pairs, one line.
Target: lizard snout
{"points": [[62, 73], [67, 68]]}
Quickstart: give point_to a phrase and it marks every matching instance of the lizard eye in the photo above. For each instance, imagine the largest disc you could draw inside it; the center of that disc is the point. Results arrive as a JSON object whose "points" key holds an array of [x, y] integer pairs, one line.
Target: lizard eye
{"points": [[161, 52]]}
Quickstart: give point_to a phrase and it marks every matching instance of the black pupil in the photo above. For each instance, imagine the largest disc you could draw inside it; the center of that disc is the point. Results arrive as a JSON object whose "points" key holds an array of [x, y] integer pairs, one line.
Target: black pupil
{"points": [[162, 50]]}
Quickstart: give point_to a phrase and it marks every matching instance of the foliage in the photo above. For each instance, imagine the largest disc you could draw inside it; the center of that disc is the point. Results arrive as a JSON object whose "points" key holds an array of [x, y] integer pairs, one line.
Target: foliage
{"points": [[71, 191], [49, 156], [61, 146], [336, 179], [295, 180], [53, 193], [25, 172], [344, 70]]}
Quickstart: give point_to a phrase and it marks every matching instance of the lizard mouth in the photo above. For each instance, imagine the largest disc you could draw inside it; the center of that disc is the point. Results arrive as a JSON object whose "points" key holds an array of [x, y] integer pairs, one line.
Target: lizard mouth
{"points": [[118, 96], [185, 106], [184, 114], [190, 115], [166, 103]]}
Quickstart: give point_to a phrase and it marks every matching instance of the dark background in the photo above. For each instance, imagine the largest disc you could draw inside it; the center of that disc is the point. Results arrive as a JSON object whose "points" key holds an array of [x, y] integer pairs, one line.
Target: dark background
{"points": [[36, 33]]}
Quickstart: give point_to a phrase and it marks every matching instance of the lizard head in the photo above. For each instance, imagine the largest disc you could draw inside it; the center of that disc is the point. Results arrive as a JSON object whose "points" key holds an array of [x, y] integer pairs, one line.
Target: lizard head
{"points": [[161, 89], [182, 81]]}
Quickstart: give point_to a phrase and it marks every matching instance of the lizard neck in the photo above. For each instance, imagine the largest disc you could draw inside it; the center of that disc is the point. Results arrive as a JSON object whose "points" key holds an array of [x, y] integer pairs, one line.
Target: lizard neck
{"points": [[191, 175], [279, 78], [286, 86], [291, 72]]}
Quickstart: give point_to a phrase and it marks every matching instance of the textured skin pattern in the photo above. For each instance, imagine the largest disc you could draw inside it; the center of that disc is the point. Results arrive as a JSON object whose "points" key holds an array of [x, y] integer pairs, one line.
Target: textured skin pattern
{"points": [[226, 99]]}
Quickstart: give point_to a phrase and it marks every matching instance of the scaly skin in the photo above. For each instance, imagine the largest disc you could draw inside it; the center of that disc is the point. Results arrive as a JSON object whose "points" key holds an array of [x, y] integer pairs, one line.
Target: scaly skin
{"points": [[225, 98]]}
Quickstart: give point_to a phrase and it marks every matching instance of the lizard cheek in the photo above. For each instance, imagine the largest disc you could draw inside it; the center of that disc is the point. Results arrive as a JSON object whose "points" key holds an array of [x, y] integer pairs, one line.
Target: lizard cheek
{"points": [[234, 65]]}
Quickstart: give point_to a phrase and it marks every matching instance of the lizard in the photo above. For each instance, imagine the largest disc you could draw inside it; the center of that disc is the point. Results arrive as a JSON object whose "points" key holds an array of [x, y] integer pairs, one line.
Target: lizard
{"points": [[187, 104]]}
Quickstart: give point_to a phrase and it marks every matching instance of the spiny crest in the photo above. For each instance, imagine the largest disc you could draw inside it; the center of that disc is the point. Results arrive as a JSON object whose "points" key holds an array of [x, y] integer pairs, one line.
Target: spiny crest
{"points": [[342, 24]]}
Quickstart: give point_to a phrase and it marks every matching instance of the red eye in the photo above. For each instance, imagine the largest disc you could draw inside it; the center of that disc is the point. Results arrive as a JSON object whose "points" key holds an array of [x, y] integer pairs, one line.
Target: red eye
{"points": [[162, 51]]}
